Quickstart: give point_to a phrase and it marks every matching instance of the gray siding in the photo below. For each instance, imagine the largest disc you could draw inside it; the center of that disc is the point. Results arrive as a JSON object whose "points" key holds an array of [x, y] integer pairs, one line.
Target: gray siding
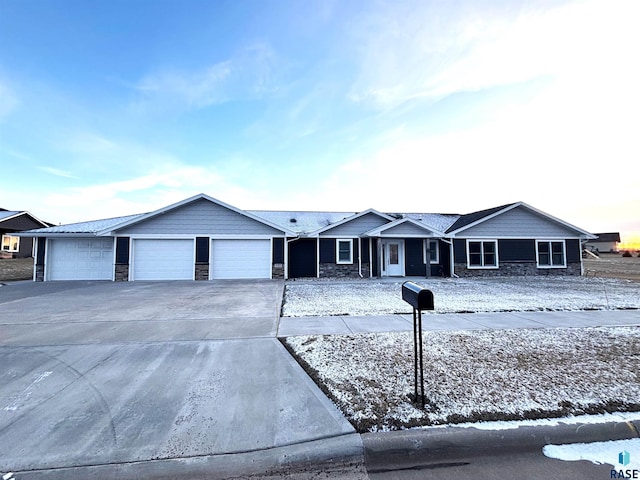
{"points": [[520, 222], [200, 217], [358, 226], [406, 229]]}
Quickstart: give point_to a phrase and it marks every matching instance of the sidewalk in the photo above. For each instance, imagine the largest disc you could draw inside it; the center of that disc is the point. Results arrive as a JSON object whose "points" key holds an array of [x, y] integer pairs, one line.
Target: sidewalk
{"points": [[348, 325]]}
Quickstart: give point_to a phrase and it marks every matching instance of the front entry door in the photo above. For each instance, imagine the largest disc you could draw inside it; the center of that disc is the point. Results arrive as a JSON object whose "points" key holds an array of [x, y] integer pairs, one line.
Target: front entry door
{"points": [[394, 258]]}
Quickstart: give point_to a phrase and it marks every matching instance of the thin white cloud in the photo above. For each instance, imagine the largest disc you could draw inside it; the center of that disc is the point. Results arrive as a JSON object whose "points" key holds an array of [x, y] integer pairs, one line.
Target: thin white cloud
{"points": [[168, 184], [248, 74], [88, 143], [8, 100], [57, 172], [419, 50]]}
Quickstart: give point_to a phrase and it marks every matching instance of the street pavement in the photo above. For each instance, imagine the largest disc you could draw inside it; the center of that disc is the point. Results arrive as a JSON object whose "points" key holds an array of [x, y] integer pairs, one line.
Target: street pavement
{"points": [[188, 380]]}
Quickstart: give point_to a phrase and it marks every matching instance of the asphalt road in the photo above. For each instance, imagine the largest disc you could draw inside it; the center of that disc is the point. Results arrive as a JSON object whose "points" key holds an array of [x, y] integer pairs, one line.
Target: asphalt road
{"points": [[491, 466]]}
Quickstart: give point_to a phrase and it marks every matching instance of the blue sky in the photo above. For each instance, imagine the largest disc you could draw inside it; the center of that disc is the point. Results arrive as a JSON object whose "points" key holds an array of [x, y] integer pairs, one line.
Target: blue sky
{"points": [[115, 107]]}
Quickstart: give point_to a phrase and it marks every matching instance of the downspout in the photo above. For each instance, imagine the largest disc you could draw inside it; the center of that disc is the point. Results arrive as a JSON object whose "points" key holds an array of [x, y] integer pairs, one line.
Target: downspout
{"points": [[360, 258], [452, 273], [286, 258]]}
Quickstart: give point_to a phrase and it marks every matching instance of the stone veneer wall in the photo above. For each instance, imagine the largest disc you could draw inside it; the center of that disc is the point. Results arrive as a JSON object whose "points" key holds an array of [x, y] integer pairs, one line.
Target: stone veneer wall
{"points": [[516, 268], [39, 273], [122, 273], [277, 270], [333, 270], [202, 271]]}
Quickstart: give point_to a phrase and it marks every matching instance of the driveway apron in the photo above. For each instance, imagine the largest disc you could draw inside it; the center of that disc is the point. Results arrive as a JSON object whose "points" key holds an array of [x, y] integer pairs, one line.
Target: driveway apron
{"points": [[106, 374]]}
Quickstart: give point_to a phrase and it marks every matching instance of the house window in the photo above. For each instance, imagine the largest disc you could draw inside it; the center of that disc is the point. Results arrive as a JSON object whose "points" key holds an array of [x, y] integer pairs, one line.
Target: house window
{"points": [[431, 251], [551, 254], [482, 253], [344, 253], [10, 244]]}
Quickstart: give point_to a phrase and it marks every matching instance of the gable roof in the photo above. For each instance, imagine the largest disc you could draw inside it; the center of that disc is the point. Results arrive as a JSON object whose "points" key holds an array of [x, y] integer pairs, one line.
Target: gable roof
{"points": [[400, 221], [350, 219], [201, 196], [303, 223], [6, 215], [465, 221], [471, 220]]}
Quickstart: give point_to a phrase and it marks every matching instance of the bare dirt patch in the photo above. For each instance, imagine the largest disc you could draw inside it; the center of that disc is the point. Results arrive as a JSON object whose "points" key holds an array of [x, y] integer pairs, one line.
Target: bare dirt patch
{"points": [[476, 376], [613, 266], [12, 269]]}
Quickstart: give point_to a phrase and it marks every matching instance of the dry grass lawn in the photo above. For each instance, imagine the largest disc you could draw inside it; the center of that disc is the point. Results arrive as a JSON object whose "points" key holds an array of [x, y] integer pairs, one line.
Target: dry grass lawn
{"points": [[12, 269], [613, 266], [475, 376]]}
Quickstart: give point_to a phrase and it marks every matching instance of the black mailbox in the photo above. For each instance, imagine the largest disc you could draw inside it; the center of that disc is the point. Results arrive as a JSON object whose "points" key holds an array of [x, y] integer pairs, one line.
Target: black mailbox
{"points": [[420, 299], [416, 296]]}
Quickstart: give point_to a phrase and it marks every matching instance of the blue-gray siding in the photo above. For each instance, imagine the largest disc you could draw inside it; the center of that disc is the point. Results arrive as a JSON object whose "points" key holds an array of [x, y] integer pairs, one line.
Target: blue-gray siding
{"points": [[201, 217], [357, 226], [520, 222], [406, 229]]}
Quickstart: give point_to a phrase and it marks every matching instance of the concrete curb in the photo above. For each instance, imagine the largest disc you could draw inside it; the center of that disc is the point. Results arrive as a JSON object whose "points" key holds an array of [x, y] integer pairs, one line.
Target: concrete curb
{"points": [[408, 448], [341, 456]]}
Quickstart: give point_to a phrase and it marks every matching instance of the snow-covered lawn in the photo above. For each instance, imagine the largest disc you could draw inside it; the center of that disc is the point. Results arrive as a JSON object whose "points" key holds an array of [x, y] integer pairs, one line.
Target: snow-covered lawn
{"points": [[476, 375], [370, 297]]}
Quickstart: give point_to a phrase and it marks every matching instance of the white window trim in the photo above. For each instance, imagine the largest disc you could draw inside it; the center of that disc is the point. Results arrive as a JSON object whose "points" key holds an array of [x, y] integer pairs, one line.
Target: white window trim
{"points": [[483, 266], [338, 240], [9, 236], [424, 251], [564, 253]]}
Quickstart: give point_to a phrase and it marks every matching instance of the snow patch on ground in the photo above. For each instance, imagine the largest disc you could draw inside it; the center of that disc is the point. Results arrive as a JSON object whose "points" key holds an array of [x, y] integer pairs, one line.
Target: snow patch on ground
{"points": [[598, 453], [476, 376], [550, 422], [370, 297]]}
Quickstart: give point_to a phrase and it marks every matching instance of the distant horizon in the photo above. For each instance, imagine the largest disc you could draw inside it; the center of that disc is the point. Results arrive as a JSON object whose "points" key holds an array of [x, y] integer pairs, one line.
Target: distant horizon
{"points": [[110, 109]]}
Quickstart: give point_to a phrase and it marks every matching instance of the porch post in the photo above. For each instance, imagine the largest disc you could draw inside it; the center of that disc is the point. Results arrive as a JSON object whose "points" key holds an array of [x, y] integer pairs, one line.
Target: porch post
{"points": [[370, 259]]}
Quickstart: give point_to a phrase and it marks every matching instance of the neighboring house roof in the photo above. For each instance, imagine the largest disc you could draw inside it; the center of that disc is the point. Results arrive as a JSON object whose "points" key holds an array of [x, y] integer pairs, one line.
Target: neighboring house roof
{"points": [[607, 237], [6, 215]]}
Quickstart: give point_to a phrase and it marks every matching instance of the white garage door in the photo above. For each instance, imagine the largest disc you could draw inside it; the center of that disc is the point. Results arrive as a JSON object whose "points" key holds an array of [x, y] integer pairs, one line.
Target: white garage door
{"points": [[240, 259], [80, 259], [161, 259]]}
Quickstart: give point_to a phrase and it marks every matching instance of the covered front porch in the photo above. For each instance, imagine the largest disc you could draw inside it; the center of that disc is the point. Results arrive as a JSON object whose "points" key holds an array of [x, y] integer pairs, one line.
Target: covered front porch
{"points": [[409, 248]]}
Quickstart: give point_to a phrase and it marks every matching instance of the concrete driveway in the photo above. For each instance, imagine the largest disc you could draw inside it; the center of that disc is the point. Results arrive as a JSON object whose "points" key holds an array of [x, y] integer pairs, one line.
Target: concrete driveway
{"points": [[155, 380], [53, 313]]}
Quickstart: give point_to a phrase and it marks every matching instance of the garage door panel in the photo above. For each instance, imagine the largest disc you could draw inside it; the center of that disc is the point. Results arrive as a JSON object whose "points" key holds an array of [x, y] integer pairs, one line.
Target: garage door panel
{"points": [[80, 259], [163, 259], [240, 259]]}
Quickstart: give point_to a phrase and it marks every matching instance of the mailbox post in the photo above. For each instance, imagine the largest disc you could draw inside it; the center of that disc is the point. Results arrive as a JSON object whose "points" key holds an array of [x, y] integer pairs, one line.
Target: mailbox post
{"points": [[420, 299]]}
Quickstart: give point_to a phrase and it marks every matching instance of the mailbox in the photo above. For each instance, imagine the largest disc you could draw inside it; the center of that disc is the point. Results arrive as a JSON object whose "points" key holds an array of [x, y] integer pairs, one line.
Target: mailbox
{"points": [[416, 296], [420, 299]]}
